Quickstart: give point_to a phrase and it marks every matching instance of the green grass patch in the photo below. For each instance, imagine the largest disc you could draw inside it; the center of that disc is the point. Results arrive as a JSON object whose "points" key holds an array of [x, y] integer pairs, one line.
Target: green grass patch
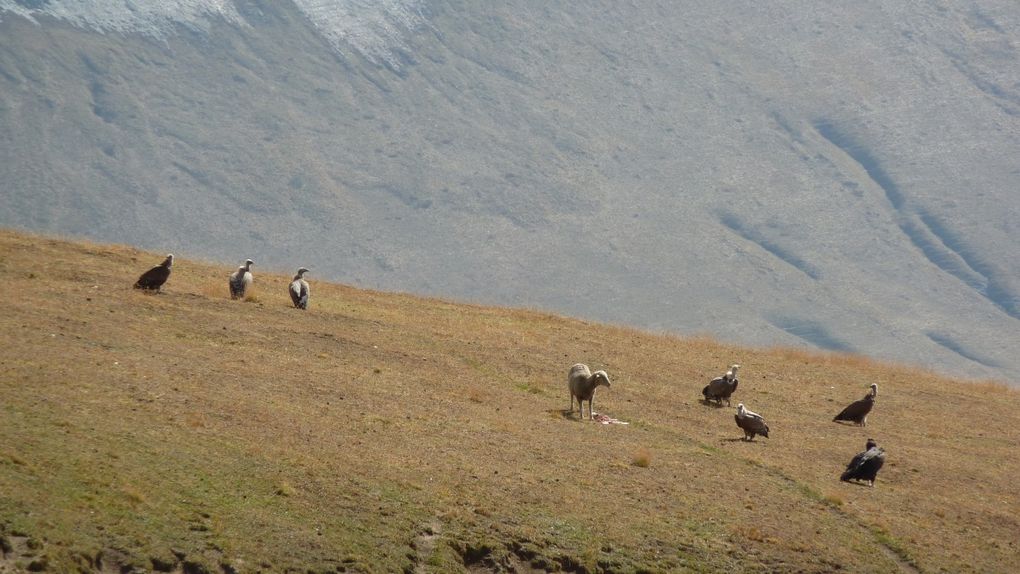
{"points": [[893, 544]]}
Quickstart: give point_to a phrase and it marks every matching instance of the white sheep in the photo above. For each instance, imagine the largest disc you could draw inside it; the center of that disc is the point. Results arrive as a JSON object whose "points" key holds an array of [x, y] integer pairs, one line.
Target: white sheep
{"points": [[583, 384]]}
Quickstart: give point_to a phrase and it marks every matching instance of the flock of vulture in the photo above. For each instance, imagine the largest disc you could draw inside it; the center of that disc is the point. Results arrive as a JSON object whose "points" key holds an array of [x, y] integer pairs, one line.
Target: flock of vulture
{"points": [[863, 467], [239, 282], [583, 383]]}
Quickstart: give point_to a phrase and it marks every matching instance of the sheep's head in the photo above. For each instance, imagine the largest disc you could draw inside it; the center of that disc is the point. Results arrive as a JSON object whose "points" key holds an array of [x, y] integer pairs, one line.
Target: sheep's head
{"points": [[601, 379]]}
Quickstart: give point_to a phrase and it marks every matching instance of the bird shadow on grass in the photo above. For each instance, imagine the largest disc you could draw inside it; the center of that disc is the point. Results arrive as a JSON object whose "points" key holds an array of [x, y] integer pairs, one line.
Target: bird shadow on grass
{"points": [[740, 440], [711, 403], [857, 483]]}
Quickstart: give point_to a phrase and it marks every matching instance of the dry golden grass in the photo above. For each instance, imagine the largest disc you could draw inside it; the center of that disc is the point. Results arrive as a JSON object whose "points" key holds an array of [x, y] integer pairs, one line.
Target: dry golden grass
{"points": [[642, 458], [213, 289], [149, 427]]}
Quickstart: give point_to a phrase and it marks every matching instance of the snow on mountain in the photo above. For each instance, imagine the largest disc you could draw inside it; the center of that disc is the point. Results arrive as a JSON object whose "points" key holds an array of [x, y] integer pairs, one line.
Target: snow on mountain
{"points": [[374, 28], [371, 28], [155, 18]]}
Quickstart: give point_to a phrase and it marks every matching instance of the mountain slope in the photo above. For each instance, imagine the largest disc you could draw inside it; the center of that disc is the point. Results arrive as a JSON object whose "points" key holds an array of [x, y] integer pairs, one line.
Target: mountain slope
{"points": [[840, 177], [381, 432]]}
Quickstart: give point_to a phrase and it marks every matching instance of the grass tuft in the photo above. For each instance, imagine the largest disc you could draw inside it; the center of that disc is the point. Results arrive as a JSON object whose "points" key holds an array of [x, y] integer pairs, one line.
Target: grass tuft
{"points": [[133, 495], [14, 458], [284, 488], [749, 533], [475, 395], [214, 290], [642, 458], [833, 500], [529, 389]]}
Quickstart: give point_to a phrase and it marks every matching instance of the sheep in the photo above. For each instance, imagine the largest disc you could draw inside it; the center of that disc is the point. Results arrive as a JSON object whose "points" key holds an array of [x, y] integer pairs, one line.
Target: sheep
{"points": [[582, 384]]}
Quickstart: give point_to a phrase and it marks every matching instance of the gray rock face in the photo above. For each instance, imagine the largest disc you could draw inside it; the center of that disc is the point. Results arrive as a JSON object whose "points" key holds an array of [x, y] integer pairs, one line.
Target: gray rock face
{"points": [[781, 173]]}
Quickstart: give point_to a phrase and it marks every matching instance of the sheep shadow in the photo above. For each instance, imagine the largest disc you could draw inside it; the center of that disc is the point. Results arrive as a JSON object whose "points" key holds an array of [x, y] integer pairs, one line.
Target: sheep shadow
{"points": [[563, 413]]}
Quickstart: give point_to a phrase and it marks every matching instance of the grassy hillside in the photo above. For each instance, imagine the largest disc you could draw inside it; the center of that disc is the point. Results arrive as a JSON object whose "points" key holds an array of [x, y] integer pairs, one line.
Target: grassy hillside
{"points": [[839, 176], [380, 432]]}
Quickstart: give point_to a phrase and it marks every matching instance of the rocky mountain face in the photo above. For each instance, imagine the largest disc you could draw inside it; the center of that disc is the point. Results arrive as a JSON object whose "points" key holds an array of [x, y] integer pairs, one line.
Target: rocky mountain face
{"points": [[782, 173]]}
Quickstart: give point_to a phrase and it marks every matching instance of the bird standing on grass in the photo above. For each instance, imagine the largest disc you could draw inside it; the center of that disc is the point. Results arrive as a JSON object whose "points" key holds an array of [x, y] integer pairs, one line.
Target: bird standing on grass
{"points": [[722, 387], [857, 411], [299, 289], [154, 278], [865, 465], [751, 423], [241, 280]]}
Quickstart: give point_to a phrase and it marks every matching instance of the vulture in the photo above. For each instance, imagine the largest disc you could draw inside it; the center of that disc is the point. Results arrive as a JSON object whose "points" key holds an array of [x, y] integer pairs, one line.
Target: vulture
{"points": [[241, 280], [299, 289], [722, 387], [154, 278], [751, 423], [857, 411], [865, 465]]}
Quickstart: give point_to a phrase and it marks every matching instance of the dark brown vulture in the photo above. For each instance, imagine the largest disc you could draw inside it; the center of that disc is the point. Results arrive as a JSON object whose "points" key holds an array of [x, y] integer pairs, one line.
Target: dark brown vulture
{"points": [[857, 411], [299, 289], [865, 465], [154, 278], [722, 387], [241, 280], [751, 423]]}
